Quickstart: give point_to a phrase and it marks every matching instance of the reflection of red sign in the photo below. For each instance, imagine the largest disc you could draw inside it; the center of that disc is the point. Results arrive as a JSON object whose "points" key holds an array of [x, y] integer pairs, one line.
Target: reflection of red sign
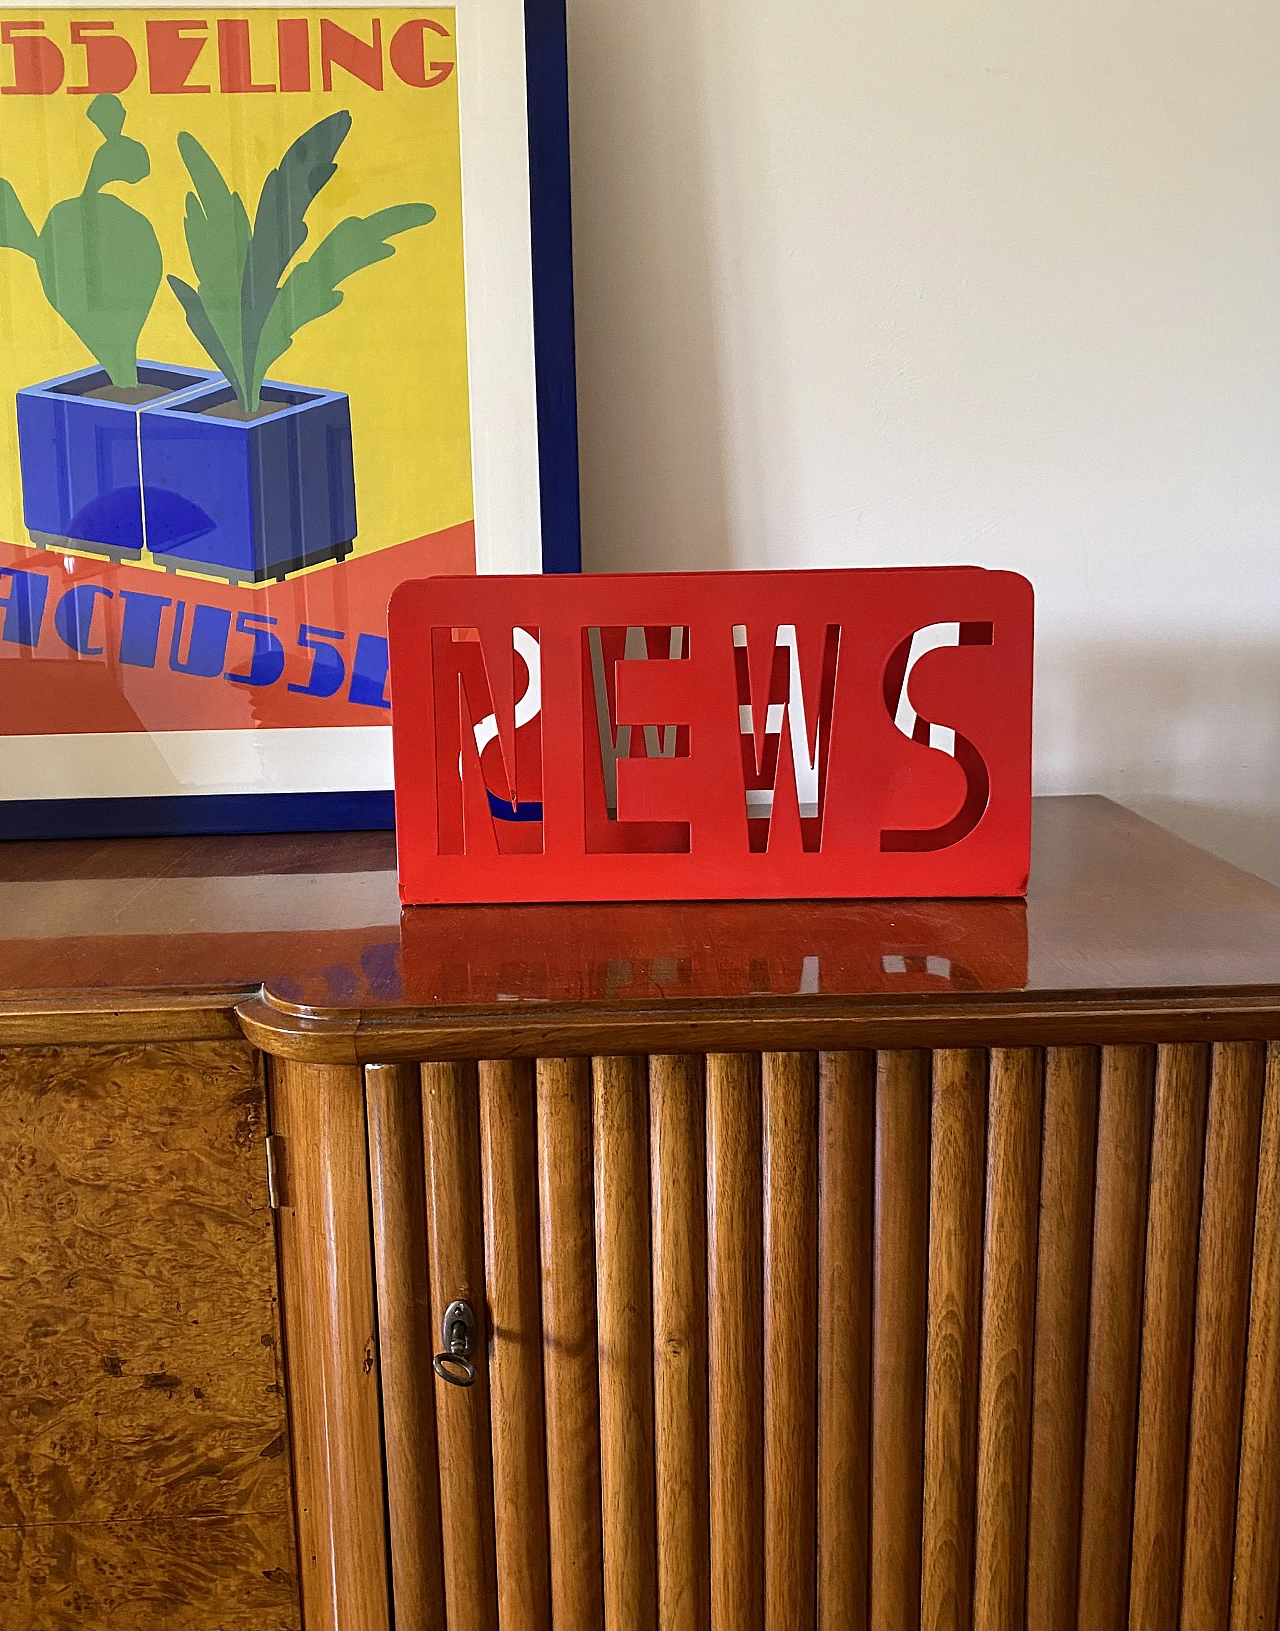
{"points": [[713, 735], [454, 957]]}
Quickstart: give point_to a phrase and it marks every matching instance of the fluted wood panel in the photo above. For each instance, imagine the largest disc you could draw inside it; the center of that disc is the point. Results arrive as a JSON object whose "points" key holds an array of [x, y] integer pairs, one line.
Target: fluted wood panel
{"points": [[1008, 1336], [678, 1200], [735, 1327], [1168, 1330], [326, 1255], [957, 1157], [625, 1315], [393, 1102], [1125, 1099], [1067, 1173], [509, 1175], [898, 1339], [1221, 1331], [1255, 1596], [570, 1377], [778, 1339], [790, 1156], [846, 1192], [455, 1239]]}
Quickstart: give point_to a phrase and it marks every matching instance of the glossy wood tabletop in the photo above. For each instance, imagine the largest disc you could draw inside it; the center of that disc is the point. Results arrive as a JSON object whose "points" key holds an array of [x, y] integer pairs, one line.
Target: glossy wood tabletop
{"points": [[1116, 906]]}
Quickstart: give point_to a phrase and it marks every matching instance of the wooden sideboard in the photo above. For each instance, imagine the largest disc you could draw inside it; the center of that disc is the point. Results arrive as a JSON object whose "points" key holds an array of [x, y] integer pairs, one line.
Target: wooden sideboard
{"points": [[835, 1264]]}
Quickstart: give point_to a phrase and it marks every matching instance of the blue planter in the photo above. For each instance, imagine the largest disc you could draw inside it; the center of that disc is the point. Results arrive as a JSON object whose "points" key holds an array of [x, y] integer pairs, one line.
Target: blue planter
{"points": [[248, 499], [78, 454]]}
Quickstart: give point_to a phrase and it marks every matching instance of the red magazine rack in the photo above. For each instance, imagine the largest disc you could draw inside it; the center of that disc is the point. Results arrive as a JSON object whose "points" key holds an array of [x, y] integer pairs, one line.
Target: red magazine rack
{"points": [[713, 735]]}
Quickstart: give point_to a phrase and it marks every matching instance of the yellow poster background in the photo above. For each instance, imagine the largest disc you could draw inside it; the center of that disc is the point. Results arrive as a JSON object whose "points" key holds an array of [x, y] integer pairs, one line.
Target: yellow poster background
{"points": [[396, 344]]}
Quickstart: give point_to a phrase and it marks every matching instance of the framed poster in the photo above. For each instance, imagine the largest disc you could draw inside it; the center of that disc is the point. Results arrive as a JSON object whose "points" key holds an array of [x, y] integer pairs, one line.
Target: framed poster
{"points": [[285, 320]]}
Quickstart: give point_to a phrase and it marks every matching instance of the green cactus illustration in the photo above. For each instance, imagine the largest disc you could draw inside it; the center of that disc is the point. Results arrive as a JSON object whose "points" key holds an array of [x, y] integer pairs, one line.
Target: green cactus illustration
{"points": [[99, 260], [240, 311]]}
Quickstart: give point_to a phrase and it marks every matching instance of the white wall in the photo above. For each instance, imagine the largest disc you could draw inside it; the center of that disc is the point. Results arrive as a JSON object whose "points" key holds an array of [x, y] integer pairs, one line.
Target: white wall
{"points": [[873, 282]]}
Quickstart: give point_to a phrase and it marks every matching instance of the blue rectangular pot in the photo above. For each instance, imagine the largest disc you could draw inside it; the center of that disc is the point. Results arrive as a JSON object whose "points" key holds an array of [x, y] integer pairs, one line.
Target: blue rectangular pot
{"points": [[249, 499], [78, 455]]}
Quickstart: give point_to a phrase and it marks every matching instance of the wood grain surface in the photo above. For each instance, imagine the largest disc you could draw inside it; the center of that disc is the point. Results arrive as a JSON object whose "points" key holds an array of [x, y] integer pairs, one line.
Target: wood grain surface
{"points": [[570, 1379], [326, 1270], [455, 1239], [1125, 1101], [1255, 1597], [789, 1141], [1062, 1333], [1115, 905], [406, 1342], [1168, 1334], [678, 1201], [735, 1319], [119, 1018], [509, 1171], [957, 1162], [144, 1454], [899, 1336], [846, 1232], [1221, 1331], [624, 1311], [733, 1024], [1008, 1337]]}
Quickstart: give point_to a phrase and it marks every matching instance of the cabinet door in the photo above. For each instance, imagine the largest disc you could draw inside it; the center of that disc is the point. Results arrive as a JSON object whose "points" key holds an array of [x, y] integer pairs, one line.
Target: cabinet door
{"points": [[965, 1337], [144, 1451]]}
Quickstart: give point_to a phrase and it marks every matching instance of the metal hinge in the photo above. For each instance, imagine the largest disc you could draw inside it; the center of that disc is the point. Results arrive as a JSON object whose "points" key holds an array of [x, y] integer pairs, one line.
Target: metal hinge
{"points": [[274, 1145]]}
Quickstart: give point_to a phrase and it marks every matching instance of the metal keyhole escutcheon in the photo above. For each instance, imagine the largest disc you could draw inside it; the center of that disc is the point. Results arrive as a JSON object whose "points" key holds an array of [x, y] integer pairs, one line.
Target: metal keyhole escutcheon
{"points": [[458, 1333]]}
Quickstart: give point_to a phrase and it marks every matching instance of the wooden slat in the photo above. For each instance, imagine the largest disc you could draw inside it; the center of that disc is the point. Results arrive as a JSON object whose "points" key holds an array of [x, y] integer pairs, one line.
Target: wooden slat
{"points": [[735, 1327], [509, 1175], [1255, 1598], [956, 1161], [846, 1191], [565, 1220], [1168, 1324], [451, 1127], [1008, 1336], [790, 1151], [1062, 1333], [899, 1335], [1221, 1331], [678, 1197], [326, 1262], [393, 1102], [1125, 1098], [624, 1299]]}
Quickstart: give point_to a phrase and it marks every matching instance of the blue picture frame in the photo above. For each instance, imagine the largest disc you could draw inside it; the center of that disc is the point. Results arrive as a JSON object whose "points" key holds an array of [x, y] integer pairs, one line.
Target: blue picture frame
{"points": [[551, 276]]}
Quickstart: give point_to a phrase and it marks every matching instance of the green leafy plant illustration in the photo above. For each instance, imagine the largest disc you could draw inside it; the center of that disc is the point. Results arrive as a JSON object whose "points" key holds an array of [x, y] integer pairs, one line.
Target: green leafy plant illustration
{"points": [[240, 311], [99, 260]]}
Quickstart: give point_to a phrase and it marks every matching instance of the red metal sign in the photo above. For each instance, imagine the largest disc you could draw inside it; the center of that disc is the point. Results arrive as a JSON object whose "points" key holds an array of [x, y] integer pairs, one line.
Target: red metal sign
{"points": [[713, 735]]}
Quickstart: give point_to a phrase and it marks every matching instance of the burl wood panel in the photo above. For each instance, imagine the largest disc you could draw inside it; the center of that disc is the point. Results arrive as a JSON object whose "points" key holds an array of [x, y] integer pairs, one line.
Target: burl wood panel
{"points": [[144, 1465]]}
